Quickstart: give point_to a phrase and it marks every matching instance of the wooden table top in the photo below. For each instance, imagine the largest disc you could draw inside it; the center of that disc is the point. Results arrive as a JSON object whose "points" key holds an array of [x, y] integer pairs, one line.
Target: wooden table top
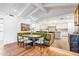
{"points": [[36, 36]]}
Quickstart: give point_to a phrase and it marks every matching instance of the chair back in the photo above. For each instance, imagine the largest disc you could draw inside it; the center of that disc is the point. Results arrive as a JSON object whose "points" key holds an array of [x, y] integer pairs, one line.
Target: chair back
{"points": [[20, 38], [25, 38], [50, 38], [41, 40]]}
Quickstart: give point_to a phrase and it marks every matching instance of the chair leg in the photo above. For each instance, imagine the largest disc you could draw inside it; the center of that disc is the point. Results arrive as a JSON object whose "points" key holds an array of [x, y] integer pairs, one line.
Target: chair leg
{"points": [[18, 43], [42, 49], [21, 44]]}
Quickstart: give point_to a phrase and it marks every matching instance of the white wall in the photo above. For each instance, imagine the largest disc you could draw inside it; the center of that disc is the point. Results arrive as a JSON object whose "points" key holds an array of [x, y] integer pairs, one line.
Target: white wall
{"points": [[11, 27]]}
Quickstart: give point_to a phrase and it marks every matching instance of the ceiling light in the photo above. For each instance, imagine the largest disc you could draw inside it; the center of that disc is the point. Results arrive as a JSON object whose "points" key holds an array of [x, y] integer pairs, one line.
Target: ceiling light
{"points": [[11, 15]]}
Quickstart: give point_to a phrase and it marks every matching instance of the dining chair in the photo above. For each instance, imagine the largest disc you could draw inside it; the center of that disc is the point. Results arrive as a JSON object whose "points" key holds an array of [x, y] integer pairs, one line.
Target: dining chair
{"points": [[40, 43], [50, 39], [48, 43], [20, 41], [27, 42]]}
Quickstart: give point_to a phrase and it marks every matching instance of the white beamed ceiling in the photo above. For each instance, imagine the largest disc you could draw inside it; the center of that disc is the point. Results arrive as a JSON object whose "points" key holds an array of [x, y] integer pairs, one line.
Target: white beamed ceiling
{"points": [[37, 11]]}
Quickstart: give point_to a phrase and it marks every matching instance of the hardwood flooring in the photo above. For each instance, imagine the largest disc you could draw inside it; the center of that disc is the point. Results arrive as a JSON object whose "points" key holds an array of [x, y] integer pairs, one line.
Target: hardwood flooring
{"points": [[1, 49], [15, 50]]}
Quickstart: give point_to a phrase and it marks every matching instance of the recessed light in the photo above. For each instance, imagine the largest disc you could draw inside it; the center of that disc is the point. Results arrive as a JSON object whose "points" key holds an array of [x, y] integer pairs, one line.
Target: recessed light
{"points": [[11, 15]]}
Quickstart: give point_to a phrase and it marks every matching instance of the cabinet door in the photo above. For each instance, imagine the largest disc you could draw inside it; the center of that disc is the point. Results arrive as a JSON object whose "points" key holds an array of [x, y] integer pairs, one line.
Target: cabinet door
{"points": [[77, 16], [77, 19]]}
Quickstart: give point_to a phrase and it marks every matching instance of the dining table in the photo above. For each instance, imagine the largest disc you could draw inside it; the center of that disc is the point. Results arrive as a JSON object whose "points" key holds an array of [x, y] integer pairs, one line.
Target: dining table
{"points": [[34, 36]]}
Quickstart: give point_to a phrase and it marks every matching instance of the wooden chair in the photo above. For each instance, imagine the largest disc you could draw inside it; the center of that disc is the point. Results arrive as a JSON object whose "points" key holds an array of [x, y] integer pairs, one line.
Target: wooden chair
{"points": [[20, 40], [40, 43], [27, 42], [50, 39]]}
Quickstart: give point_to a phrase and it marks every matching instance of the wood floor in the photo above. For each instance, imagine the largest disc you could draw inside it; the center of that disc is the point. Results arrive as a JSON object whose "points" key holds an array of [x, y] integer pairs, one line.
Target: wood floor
{"points": [[1, 49], [15, 50]]}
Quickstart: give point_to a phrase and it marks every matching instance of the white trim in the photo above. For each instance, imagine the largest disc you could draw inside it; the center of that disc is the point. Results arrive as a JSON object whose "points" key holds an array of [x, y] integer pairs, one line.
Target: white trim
{"points": [[9, 42]]}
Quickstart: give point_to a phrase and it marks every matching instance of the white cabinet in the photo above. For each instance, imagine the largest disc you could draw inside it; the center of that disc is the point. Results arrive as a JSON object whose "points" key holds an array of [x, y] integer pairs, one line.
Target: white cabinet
{"points": [[57, 35]]}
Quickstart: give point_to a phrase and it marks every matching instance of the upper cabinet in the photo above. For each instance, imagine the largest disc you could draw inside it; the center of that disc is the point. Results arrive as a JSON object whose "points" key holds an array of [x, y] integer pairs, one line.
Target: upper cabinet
{"points": [[77, 16]]}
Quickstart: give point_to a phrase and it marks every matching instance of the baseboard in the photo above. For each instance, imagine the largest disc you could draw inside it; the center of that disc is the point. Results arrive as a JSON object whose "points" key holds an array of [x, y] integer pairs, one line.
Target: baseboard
{"points": [[10, 43]]}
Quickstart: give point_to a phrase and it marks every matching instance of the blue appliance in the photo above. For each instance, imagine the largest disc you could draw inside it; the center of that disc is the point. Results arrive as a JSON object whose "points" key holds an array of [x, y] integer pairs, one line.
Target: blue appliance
{"points": [[74, 43]]}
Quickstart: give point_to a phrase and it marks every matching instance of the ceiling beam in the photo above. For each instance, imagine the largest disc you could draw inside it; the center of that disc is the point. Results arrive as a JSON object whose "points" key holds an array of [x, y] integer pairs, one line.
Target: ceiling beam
{"points": [[40, 7], [35, 10], [31, 13], [26, 6], [33, 18], [58, 4]]}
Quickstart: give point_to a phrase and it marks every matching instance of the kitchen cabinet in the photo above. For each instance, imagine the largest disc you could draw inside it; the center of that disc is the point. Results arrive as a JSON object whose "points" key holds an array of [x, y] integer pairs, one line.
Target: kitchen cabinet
{"points": [[57, 35], [76, 14], [51, 28]]}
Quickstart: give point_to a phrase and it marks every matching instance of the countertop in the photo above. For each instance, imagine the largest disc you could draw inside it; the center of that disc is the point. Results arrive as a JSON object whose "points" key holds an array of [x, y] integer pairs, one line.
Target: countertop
{"points": [[74, 34]]}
